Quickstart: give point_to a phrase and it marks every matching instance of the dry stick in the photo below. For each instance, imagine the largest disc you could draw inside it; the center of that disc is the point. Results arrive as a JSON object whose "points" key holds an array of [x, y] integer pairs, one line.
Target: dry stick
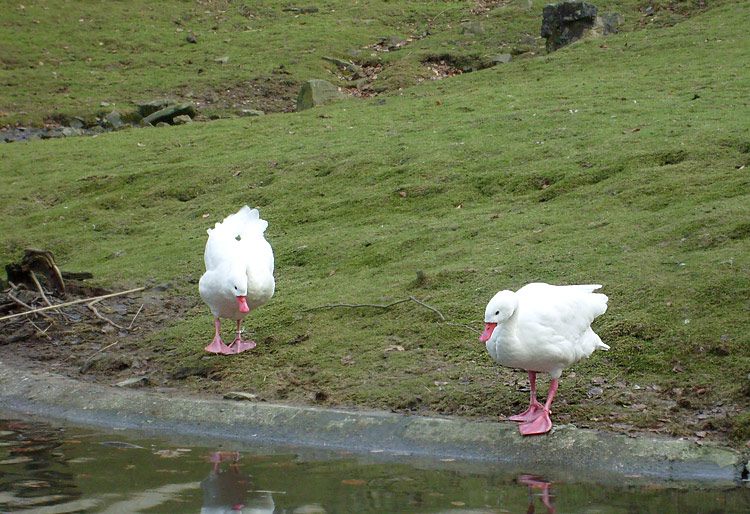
{"points": [[41, 332], [99, 351], [136, 315], [90, 305], [66, 304], [39, 287], [19, 302], [355, 305], [463, 326]]}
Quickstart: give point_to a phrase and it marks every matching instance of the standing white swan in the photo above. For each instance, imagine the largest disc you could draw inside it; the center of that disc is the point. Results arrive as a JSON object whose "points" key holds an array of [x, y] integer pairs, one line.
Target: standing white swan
{"points": [[239, 274], [543, 329]]}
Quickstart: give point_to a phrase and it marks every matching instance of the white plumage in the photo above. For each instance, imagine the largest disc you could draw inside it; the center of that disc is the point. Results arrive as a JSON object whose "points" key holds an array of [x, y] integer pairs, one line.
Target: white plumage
{"points": [[542, 328], [239, 273]]}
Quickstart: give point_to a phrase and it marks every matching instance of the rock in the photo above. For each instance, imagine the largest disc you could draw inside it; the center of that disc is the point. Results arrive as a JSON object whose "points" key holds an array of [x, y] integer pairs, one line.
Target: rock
{"points": [[97, 129], [527, 43], [317, 92], [251, 112], [523, 4], [77, 123], [240, 396], [182, 119], [502, 58], [153, 106], [72, 132], [312, 508], [134, 382], [348, 66], [222, 60], [191, 39], [566, 22], [113, 120], [609, 23], [473, 28], [162, 124], [168, 113]]}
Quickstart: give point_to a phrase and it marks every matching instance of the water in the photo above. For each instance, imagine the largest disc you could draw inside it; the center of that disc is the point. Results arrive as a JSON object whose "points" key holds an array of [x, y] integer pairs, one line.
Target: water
{"points": [[54, 469]]}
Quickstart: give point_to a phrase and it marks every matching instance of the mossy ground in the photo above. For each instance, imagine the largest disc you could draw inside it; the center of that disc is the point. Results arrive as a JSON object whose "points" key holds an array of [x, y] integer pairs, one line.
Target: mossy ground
{"points": [[620, 161]]}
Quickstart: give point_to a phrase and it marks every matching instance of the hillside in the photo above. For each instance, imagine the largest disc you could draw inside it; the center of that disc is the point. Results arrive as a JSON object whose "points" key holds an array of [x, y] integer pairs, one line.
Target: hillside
{"points": [[620, 161]]}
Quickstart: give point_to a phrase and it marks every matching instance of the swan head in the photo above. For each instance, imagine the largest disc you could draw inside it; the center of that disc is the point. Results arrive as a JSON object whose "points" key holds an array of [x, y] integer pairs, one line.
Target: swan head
{"points": [[499, 309], [237, 283]]}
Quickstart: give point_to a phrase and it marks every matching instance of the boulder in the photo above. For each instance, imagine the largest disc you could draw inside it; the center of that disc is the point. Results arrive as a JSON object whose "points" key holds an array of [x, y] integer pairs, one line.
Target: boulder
{"points": [[169, 113], [317, 92], [502, 58], [566, 22], [182, 119], [251, 112], [151, 107], [113, 120]]}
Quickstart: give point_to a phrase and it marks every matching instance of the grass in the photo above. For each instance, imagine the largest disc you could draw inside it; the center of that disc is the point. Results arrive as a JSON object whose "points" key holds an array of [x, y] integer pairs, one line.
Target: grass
{"points": [[620, 161]]}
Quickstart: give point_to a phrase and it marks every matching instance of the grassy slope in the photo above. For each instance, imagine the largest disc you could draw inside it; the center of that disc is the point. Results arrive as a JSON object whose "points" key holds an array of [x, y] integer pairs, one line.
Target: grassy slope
{"points": [[552, 185]]}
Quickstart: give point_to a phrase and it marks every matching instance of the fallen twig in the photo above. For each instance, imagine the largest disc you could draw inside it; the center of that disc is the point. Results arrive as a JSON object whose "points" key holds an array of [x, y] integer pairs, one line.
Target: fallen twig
{"points": [[41, 332], [39, 287], [136, 315], [386, 306], [24, 304], [99, 351], [90, 305], [66, 304]]}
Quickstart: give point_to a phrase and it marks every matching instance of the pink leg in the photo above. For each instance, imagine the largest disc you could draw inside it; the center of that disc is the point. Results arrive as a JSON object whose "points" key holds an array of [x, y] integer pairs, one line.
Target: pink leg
{"points": [[542, 424], [239, 345], [217, 345], [535, 408]]}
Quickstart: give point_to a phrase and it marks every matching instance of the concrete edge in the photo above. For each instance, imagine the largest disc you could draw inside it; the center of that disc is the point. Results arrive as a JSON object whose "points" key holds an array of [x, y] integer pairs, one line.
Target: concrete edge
{"points": [[598, 455]]}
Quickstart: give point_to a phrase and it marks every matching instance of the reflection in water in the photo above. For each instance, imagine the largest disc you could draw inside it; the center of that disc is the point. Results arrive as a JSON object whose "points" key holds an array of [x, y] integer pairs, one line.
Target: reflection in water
{"points": [[228, 491], [46, 470], [536, 482], [34, 472]]}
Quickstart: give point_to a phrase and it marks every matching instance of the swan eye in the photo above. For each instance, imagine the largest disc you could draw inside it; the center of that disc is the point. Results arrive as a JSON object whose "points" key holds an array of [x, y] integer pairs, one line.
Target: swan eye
{"points": [[496, 312]]}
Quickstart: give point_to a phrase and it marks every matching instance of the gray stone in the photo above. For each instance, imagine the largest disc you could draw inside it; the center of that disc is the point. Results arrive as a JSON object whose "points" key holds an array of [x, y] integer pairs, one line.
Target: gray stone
{"points": [[523, 4], [348, 66], [566, 22], [97, 129], [251, 112], [502, 58], [317, 92], [169, 113], [182, 119], [151, 107], [134, 382], [77, 123], [113, 120], [162, 124], [72, 132], [609, 23], [240, 396], [473, 28]]}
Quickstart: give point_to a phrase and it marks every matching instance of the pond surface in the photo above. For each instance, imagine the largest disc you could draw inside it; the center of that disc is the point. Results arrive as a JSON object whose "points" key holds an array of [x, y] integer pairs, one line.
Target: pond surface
{"points": [[46, 468]]}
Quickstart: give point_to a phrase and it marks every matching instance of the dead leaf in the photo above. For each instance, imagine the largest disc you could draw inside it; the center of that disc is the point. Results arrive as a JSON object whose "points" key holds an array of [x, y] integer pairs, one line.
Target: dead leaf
{"points": [[396, 347], [348, 360], [630, 131], [402, 194], [205, 215], [701, 434], [353, 481], [236, 173], [332, 273]]}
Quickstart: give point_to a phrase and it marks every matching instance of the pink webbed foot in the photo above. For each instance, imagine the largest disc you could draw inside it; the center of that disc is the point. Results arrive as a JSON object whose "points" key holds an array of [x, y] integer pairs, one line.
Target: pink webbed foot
{"points": [[239, 346], [530, 414], [540, 425], [218, 346]]}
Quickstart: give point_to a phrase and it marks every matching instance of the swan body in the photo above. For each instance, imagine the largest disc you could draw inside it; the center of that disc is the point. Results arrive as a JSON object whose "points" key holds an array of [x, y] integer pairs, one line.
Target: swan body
{"points": [[542, 328], [239, 273]]}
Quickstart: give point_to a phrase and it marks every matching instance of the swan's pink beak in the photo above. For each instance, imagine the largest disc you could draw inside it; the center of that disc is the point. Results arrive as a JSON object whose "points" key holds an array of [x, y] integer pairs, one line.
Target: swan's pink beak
{"points": [[242, 302], [488, 328]]}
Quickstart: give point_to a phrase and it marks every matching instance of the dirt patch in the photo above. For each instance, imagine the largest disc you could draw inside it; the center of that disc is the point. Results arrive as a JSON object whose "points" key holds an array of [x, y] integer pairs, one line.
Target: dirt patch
{"points": [[92, 334], [271, 94]]}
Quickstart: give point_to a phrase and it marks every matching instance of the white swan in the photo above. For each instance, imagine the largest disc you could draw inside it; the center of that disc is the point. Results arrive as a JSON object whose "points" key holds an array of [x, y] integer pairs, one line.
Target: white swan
{"points": [[543, 329], [239, 273]]}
